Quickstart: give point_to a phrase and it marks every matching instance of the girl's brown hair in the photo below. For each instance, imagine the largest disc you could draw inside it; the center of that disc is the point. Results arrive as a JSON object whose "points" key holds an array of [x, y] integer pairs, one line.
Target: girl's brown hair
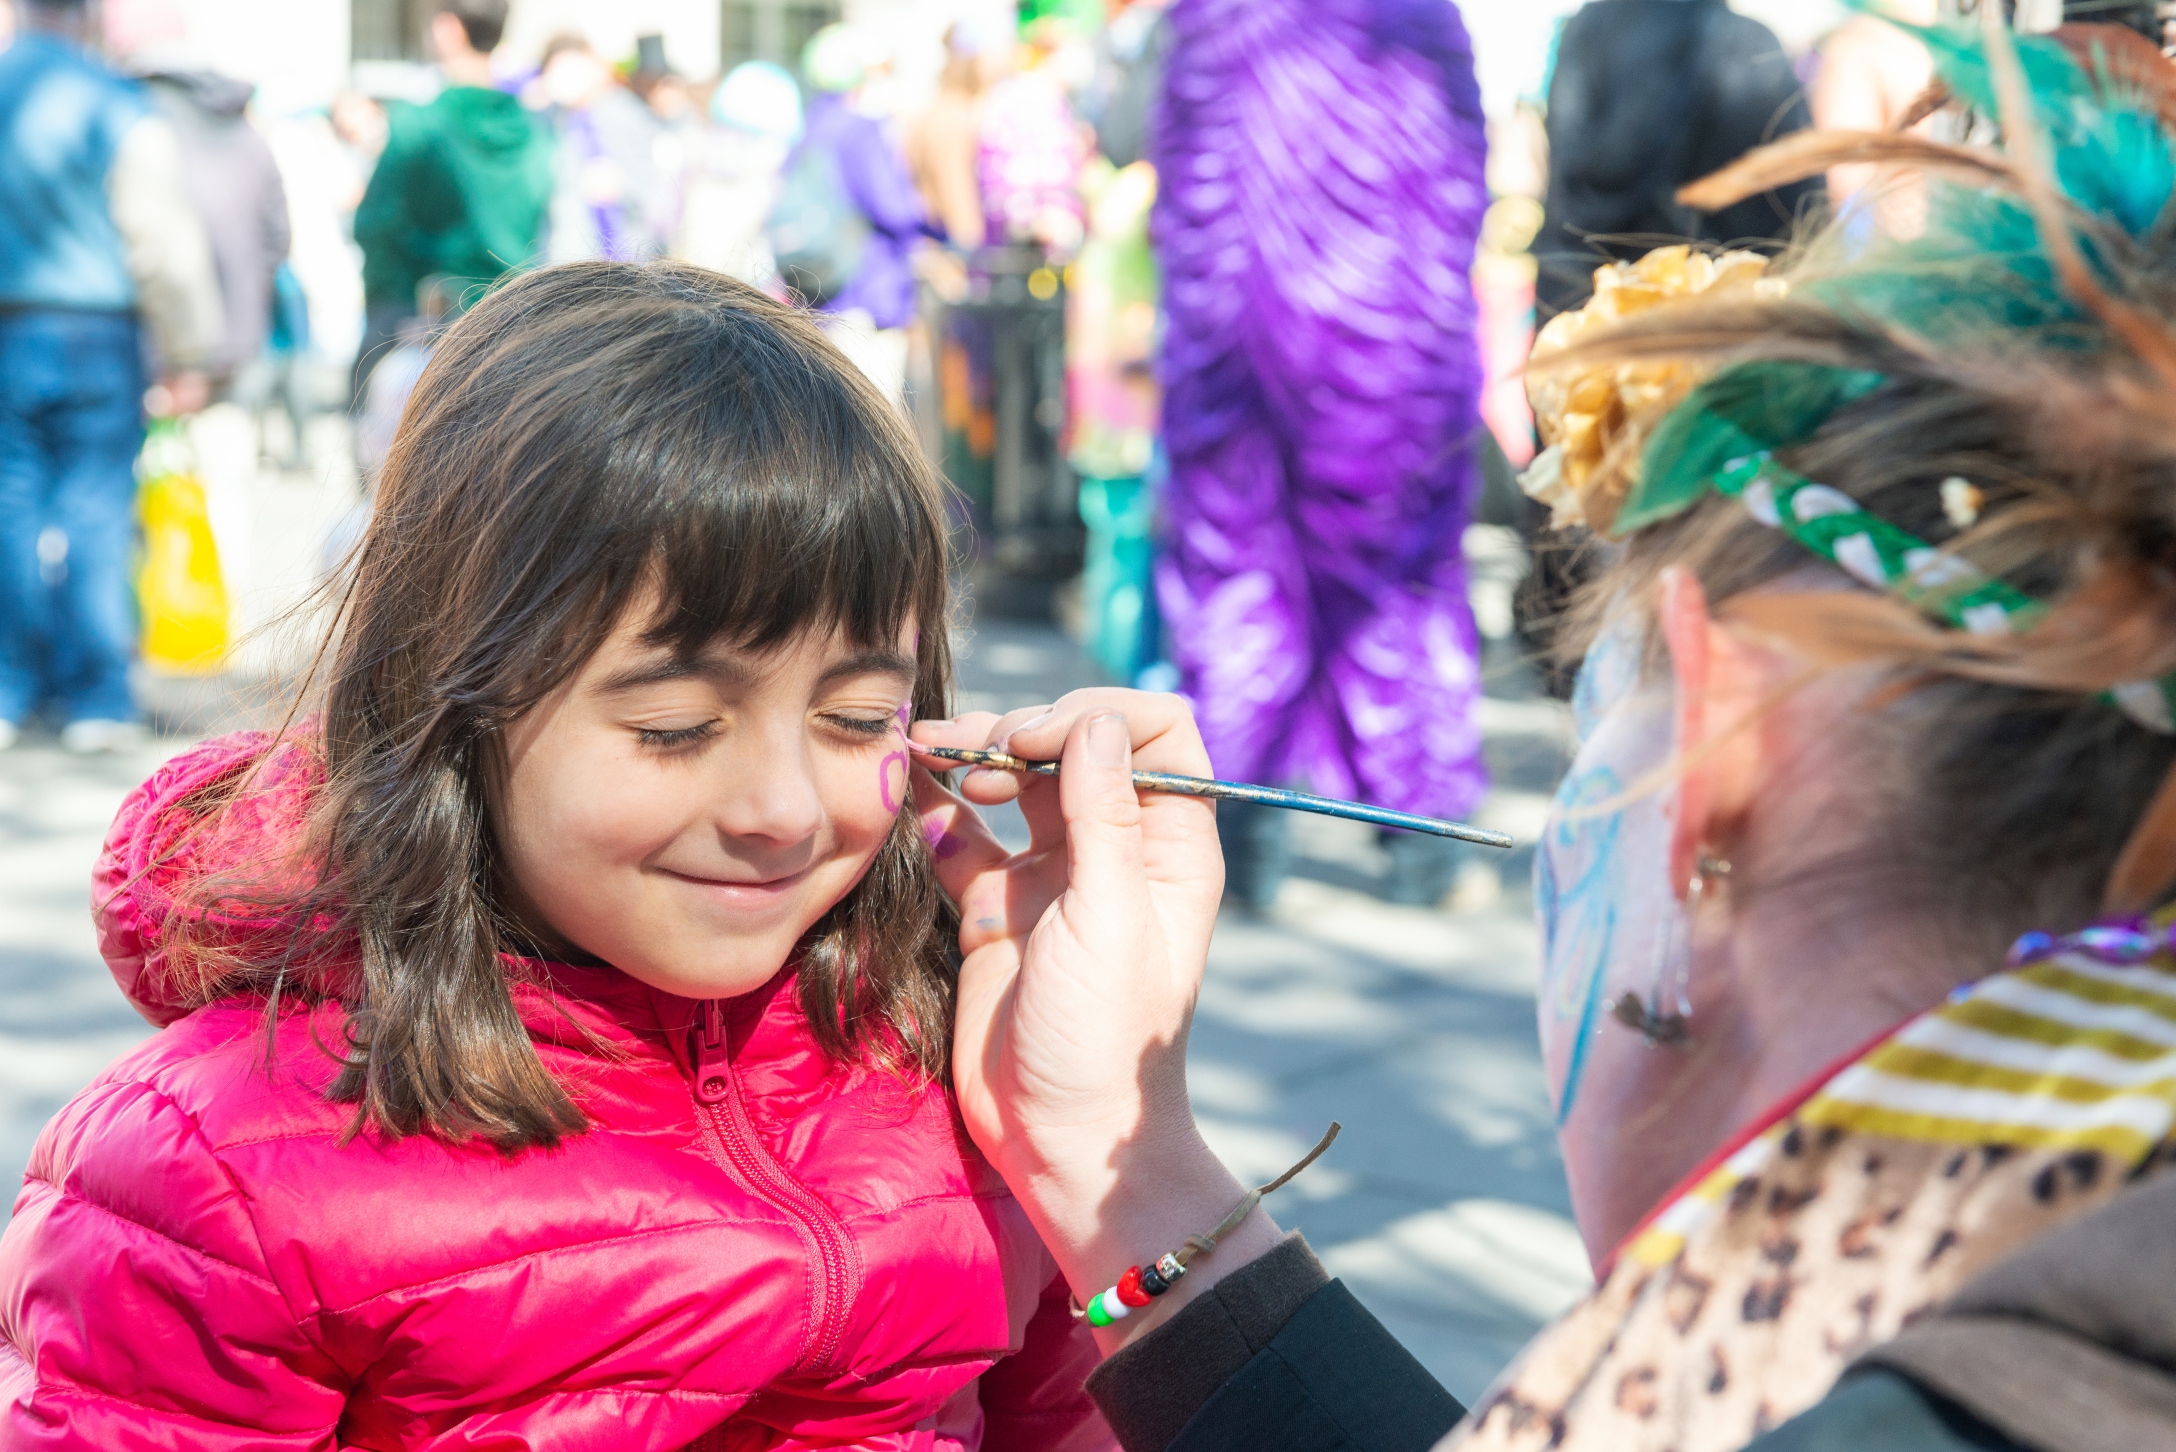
{"points": [[586, 434], [2019, 797]]}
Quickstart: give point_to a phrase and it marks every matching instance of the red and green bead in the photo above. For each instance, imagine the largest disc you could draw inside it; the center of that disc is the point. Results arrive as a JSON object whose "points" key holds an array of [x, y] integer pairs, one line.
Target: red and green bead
{"points": [[1135, 1289]]}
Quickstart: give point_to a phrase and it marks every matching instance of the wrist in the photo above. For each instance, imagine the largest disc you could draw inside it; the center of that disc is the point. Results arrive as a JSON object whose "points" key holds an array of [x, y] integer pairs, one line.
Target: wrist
{"points": [[1101, 1217], [1082, 1183], [1252, 1239]]}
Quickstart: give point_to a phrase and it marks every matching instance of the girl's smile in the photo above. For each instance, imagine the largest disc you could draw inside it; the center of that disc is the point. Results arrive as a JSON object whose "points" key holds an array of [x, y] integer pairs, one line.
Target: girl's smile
{"points": [[753, 897]]}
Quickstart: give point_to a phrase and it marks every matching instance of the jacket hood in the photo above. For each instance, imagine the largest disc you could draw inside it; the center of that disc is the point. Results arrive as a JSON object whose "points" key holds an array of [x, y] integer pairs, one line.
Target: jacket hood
{"points": [[489, 121], [218, 97], [160, 843]]}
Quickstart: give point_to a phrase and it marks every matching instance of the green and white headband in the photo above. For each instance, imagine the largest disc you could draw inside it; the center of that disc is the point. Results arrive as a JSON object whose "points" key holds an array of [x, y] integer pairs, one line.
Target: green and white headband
{"points": [[1831, 524]]}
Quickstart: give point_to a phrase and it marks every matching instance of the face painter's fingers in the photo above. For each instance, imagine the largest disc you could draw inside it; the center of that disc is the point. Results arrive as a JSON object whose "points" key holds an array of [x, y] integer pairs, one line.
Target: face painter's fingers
{"points": [[970, 863], [985, 786], [1163, 738], [1160, 726], [972, 728], [1024, 720], [979, 731], [1102, 813], [1069, 1046]]}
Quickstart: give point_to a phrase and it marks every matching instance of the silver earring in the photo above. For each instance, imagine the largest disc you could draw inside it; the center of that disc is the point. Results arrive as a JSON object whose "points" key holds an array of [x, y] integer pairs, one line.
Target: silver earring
{"points": [[1668, 1025]]}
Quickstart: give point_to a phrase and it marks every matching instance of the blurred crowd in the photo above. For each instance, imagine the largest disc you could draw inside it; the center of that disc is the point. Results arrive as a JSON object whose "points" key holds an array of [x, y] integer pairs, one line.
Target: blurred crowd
{"points": [[1213, 309], [172, 252]]}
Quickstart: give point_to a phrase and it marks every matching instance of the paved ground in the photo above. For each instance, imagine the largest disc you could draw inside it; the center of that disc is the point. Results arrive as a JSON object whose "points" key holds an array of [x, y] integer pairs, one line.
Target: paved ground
{"points": [[1444, 1204]]}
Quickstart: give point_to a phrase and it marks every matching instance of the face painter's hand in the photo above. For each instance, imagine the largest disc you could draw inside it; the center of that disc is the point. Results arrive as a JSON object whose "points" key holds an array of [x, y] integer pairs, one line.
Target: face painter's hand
{"points": [[1084, 954]]}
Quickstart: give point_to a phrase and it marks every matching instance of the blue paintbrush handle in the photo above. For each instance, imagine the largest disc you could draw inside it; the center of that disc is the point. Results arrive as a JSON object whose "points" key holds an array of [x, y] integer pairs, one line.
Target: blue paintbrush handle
{"points": [[1201, 786]]}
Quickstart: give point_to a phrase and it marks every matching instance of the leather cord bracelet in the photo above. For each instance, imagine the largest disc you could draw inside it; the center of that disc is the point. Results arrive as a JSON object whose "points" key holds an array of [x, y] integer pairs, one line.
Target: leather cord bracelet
{"points": [[1141, 1284]]}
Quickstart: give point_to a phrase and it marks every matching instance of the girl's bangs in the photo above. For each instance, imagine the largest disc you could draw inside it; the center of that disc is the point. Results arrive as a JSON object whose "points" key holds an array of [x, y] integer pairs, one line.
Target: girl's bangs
{"points": [[772, 491], [772, 547]]}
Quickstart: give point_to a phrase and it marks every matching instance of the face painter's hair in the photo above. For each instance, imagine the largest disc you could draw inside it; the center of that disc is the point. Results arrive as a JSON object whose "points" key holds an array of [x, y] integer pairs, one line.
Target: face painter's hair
{"points": [[585, 435], [2014, 795]]}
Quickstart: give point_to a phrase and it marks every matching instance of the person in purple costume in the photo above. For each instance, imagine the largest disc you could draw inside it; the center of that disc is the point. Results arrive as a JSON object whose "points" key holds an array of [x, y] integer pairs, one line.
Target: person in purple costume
{"points": [[868, 316], [878, 184], [1321, 166]]}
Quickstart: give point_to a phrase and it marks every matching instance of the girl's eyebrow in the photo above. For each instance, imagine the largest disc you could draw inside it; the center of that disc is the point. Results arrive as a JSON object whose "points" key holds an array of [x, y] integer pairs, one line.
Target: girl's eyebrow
{"points": [[720, 669], [872, 662], [732, 671]]}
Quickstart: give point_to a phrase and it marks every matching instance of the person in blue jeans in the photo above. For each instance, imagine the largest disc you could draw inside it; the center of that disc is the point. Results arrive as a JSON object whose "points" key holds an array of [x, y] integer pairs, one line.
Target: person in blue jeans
{"points": [[96, 241]]}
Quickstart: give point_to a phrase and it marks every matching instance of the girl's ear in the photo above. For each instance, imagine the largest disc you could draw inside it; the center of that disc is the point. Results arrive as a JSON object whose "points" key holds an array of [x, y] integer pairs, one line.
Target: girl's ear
{"points": [[1723, 682]]}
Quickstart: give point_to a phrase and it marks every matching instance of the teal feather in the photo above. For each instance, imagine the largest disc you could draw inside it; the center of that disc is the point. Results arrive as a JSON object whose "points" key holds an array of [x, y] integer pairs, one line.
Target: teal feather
{"points": [[1750, 409], [1980, 265], [2061, 90], [2111, 156]]}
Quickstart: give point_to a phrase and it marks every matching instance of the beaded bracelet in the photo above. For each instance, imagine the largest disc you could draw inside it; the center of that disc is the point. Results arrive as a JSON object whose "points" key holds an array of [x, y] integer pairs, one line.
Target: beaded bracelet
{"points": [[1143, 1283]]}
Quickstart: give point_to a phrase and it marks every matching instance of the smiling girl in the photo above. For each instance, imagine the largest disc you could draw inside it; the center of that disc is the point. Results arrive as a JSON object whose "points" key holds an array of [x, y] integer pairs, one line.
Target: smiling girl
{"points": [[556, 1020]]}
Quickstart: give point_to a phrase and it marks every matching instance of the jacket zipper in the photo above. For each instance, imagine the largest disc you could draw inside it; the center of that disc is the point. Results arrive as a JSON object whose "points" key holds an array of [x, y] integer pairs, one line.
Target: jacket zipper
{"points": [[837, 1281]]}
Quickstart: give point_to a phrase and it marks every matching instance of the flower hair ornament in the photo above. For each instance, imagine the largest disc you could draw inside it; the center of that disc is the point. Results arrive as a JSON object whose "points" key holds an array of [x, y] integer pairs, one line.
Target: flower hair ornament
{"points": [[1587, 415], [2021, 243]]}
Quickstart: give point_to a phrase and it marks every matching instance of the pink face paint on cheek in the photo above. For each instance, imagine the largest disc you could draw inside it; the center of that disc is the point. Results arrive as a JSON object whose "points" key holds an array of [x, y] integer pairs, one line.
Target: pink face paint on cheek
{"points": [[894, 796]]}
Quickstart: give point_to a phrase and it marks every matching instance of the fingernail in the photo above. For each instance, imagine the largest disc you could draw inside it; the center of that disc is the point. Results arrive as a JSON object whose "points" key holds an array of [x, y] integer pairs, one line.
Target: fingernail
{"points": [[1109, 742], [1004, 743]]}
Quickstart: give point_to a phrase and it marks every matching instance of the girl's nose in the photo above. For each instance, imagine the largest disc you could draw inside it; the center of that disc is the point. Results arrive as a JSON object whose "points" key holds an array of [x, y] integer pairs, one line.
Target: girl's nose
{"points": [[769, 793]]}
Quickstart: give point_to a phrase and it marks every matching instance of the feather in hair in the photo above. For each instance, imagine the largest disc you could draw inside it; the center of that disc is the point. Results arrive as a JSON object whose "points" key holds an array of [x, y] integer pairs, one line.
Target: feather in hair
{"points": [[2090, 141]]}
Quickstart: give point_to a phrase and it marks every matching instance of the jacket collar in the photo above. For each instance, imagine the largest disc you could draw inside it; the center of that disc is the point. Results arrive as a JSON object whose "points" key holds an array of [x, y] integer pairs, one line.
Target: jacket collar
{"points": [[578, 1006]]}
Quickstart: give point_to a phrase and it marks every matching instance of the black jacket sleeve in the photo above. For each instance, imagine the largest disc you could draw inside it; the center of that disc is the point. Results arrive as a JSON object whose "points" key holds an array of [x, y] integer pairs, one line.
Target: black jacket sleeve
{"points": [[1276, 1356]]}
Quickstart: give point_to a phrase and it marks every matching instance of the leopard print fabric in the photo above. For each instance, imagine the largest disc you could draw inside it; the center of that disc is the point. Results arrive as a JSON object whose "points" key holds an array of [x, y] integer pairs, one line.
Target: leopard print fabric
{"points": [[1833, 1250], [1749, 1295]]}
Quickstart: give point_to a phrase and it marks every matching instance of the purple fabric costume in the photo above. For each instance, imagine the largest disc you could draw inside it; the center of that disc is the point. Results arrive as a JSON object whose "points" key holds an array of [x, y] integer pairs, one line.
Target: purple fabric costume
{"points": [[876, 181], [1321, 193]]}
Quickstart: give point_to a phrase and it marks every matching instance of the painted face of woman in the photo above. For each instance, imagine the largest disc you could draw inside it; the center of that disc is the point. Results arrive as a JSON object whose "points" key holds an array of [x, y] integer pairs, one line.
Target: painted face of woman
{"points": [[1601, 888]]}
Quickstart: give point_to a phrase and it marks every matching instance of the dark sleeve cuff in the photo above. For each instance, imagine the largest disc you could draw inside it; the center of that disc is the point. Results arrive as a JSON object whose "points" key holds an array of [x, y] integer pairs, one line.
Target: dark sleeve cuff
{"points": [[1275, 1355], [1149, 1390]]}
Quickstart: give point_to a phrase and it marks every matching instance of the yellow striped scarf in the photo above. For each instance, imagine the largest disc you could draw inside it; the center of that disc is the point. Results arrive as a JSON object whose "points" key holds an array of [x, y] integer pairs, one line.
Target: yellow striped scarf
{"points": [[2027, 1098]]}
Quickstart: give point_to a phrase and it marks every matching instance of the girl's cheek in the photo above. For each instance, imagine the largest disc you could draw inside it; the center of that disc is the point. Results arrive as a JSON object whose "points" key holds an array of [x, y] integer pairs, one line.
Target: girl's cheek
{"points": [[864, 791], [892, 772], [892, 783]]}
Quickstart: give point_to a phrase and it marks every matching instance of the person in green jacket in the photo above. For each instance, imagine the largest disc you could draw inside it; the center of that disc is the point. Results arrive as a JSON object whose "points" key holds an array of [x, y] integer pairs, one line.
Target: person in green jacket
{"points": [[462, 189]]}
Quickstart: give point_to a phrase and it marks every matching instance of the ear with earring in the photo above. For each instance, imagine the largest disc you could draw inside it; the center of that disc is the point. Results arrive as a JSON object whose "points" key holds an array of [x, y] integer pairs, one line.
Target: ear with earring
{"points": [[1664, 1018]]}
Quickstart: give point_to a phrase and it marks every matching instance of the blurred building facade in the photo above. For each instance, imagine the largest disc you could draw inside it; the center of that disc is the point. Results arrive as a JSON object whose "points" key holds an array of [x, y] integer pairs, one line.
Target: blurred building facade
{"points": [[301, 53]]}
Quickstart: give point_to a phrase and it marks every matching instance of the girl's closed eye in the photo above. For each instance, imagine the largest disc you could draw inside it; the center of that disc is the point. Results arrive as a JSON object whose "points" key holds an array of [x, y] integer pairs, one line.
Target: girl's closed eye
{"points": [[870, 727], [669, 738]]}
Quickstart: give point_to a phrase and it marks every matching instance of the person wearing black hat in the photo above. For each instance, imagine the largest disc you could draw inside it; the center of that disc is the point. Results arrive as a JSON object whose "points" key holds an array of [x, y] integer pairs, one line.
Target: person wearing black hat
{"points": [[1647, 95]]}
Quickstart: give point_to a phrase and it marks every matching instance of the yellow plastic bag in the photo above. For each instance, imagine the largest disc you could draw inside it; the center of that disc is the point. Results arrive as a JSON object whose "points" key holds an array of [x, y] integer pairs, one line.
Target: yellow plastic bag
{"points": [[179, 588]]}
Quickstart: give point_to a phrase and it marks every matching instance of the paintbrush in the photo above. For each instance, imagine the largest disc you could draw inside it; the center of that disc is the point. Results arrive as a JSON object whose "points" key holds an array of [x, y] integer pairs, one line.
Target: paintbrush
{"points": [[1201, 786]]}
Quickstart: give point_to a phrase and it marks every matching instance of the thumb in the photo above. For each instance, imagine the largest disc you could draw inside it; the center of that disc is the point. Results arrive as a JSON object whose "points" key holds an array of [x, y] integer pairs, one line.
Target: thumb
{"points": [[1102, 812]]}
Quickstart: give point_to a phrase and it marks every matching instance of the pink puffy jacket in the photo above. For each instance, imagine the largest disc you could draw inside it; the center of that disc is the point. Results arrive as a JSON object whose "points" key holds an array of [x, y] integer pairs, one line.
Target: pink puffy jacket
{"points": [[751, 1248]]}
